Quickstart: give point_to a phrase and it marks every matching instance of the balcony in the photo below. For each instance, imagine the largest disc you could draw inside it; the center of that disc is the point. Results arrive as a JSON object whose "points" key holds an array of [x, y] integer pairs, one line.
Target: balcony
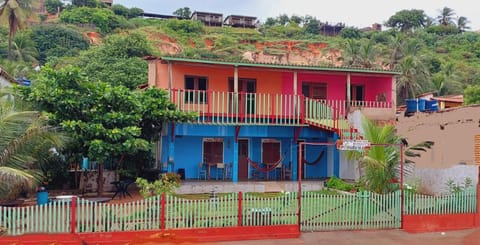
{"points": [[230, 108]]}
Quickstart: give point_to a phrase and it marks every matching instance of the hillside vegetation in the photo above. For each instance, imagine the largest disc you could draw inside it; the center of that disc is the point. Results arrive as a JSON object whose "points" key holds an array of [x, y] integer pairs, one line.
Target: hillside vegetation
{"points": [[433, 54]]}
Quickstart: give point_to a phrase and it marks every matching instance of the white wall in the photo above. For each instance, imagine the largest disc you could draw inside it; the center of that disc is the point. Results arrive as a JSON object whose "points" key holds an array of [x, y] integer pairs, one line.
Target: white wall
{"points": [[433, 181]]}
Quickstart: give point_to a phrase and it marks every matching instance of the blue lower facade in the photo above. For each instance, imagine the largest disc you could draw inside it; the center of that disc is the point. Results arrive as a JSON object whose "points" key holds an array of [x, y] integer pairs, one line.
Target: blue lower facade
{"points": [[183, 148]]}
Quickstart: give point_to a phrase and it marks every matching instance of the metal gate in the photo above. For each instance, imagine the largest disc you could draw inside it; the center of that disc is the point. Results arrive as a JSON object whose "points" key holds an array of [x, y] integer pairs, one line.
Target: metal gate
{"points": [[356, 211]]}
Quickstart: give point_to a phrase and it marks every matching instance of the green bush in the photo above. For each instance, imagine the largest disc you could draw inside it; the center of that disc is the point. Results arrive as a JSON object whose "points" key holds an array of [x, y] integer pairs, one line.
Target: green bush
{"points": [[166, 184], [339, 184]]}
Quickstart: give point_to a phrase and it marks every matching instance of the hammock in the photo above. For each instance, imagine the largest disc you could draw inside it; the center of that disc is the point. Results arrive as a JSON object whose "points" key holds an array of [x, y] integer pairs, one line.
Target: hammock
{"points": [[268, 166], [316, 160]]}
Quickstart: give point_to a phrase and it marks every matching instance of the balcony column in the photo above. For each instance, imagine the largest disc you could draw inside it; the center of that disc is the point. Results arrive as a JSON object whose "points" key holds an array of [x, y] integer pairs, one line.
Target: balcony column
{"points": [[348, 89], [235, 79], [294, 165], [235, 161], [295, 82], [394, 92], [170, 76]]}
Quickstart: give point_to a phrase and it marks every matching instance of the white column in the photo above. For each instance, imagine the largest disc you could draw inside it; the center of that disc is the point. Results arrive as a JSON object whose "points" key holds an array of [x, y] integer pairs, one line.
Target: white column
{"points": [[394, 92], [348, 89], [235, 80], [295, 82], [170, 76]]}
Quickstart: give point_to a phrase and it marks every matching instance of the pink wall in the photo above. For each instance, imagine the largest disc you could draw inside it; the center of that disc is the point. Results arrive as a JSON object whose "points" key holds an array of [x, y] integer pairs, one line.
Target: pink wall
{"points": [[267, 82], [374, 85], [337, 83], [272, 81]]}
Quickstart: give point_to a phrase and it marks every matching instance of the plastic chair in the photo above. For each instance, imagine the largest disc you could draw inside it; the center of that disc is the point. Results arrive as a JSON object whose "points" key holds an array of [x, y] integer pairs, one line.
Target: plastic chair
{"points": [[220, 170], [202, 171], [286, 173], [228, 171]]}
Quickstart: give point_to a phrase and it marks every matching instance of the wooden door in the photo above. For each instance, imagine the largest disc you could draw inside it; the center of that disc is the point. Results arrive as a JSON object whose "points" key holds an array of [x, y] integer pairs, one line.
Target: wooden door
{"points": [[242, 159]]}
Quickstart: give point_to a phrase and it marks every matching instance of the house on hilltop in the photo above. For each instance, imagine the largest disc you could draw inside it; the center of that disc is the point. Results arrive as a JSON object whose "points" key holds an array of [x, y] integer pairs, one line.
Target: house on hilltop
{"points": [[209, 19], [241, 21], [252, 116]]}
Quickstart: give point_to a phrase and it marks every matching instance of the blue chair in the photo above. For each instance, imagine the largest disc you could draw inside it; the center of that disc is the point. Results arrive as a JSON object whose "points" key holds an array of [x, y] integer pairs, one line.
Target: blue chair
{"points": [[202, 171]]}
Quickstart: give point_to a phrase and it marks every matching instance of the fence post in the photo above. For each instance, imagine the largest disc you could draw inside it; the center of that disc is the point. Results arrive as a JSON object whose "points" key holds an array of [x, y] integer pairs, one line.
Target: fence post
{"points": [[162, 210], [73, 215], [240, 208]]}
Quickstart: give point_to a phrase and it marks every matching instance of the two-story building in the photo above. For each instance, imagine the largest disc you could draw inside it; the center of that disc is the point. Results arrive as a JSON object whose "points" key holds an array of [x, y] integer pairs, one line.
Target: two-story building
{"points": [[209, 19], [252, 116]]}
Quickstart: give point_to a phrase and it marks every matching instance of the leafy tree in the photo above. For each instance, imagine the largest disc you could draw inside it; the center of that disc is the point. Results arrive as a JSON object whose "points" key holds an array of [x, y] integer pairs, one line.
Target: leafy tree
{"points": [[283, 19], [271, 22], [407, 20], [104, 19], [13, 12], [53, 6], [445, 17], [119, 9], [86, 3], [184, 12], [296, 19], [24, 145], [118, 61], [105, 122], [134, 12], [472, 94], [311, 25], [57, 40], [350, 33]]}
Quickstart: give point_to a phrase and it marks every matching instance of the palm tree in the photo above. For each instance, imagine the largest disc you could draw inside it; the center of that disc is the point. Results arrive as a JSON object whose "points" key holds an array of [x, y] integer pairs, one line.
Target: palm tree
{"points": [[24, 145], [13, 13], [24, 49], [368, 54], [446, 16], [381, 164], [462, 23], [351, 52], [413, 73]]}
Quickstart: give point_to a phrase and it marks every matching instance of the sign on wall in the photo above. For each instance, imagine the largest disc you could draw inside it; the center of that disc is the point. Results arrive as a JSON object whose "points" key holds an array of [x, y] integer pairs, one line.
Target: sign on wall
{"points": [[352, 145]]}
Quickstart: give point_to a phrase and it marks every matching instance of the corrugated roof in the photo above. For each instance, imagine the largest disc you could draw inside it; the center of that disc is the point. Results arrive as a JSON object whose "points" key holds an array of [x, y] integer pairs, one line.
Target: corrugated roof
{"points": [[450, 98], [277, 66]]}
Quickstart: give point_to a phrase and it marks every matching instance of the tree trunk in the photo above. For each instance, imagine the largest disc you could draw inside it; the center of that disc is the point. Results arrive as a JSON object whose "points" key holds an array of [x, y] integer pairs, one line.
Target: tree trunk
{"points": [[100, 180], [10, 47]]}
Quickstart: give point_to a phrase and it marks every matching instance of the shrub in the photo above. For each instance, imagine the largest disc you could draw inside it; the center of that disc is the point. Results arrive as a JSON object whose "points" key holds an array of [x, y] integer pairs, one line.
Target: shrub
{"points": [[339, 184], [166, 184]]}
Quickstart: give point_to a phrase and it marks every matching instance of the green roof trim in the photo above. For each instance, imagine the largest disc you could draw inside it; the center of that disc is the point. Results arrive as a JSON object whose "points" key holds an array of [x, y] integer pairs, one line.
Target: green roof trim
{"points": [[282, 66]]}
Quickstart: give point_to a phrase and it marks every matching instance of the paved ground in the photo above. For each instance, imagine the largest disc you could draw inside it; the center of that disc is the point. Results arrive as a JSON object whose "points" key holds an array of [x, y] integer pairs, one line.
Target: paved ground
{"points": [[387, 237]]}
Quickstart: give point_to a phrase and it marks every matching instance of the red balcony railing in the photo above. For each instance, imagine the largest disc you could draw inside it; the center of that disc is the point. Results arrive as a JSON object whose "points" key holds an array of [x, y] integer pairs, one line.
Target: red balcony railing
{"points": [[230, 108]]}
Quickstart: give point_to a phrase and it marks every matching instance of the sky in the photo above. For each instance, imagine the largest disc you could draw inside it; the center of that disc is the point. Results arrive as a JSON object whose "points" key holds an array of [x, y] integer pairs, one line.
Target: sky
{"points": [[355, 13]]}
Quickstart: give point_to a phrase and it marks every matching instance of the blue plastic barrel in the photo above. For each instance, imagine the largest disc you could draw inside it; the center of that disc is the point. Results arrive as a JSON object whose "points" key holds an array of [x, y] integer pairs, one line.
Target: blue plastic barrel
{"points": [[411, 105], [85, 163], [42, 197], [431, 105], [421, 104]]}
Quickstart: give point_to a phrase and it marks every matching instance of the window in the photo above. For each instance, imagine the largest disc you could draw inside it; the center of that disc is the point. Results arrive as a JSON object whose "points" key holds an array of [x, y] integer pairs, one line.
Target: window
{"points": [[213, 150], [196, 89], [270, 151], [315, 90], [357, 92]]}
